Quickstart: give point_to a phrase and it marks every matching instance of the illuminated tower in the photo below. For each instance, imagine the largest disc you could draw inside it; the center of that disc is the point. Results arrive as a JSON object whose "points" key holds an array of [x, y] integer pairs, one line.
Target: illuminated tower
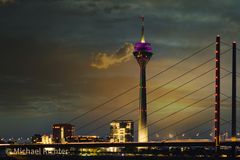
{"points": [[142, 53], [62, 135]]}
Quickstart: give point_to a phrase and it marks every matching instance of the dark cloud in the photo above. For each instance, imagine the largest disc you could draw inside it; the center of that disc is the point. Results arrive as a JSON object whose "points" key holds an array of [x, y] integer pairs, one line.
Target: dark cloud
{"points": [[6, 2], [48, 47]]}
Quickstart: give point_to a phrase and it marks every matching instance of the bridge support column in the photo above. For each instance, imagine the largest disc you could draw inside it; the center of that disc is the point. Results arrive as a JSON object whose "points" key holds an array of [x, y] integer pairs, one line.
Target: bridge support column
{"points": [[217, 96], [234, 88]]}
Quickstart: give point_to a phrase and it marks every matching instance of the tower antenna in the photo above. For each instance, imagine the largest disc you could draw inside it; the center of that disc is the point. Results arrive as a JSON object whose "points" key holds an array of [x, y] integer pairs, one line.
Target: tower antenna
{"points": [[142, 33]]}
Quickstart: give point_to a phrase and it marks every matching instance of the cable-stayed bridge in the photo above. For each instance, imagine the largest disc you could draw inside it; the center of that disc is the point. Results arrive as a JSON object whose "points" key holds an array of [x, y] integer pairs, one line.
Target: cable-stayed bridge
{"points": [[209, 90], [206, 71]]}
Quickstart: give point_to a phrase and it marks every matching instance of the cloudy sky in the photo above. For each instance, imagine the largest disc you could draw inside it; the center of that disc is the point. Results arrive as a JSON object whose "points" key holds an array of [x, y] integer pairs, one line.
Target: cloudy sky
{"points": [[61, 58]]}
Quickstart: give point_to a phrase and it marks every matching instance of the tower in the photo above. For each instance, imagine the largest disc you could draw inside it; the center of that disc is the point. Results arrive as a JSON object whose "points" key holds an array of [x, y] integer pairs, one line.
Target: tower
{"points": [[142, 53], [62, 135]]}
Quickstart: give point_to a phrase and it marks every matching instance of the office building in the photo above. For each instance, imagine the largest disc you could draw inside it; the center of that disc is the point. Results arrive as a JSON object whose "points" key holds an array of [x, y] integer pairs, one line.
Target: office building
{"points": [[122, 131]]}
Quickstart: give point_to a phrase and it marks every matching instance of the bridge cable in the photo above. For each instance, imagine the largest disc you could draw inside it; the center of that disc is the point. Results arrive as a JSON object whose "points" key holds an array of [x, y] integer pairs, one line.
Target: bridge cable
{"points": [[193, 128], [190, 116], [128, 90], [119, 108], [185, 97], [153, 100]]}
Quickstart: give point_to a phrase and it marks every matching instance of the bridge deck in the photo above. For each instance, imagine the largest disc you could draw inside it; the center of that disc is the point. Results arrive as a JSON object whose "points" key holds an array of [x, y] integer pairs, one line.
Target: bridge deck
{"points": [[176, 143]]}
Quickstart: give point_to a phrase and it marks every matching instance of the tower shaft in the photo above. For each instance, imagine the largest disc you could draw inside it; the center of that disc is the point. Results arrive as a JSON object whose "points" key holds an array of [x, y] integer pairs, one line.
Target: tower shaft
{"points": [[142, 122]]}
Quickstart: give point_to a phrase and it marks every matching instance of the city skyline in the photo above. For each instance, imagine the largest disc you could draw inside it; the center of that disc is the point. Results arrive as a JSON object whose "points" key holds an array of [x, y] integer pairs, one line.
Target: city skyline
{"points": [[73, 55]]}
